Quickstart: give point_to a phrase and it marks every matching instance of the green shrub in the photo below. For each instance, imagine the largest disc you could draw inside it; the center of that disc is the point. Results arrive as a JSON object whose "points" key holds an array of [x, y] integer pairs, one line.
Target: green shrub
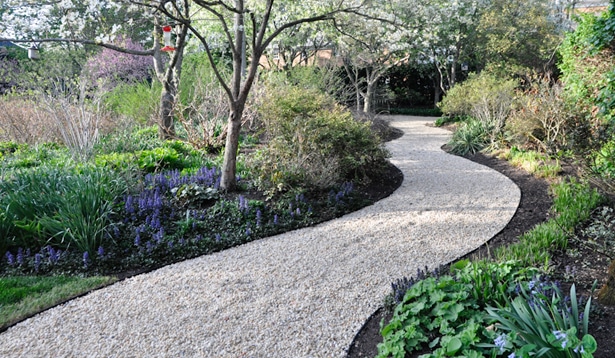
{"points": [[603, 161], [139, 102], [588, 71], [479, 89], [470, 137], [313, 142]]}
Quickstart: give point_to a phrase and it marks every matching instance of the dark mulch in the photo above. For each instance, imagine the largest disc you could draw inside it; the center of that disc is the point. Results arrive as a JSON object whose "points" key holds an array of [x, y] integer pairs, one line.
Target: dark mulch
{"points": [[534, 208]]}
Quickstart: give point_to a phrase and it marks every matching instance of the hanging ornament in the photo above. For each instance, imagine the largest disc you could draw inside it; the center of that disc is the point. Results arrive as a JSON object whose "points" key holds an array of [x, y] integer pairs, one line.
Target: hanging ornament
{"points": [[166, 35]]}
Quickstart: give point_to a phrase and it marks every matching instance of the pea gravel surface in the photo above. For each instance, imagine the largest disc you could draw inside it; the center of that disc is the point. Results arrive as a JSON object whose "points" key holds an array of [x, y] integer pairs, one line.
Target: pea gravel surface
{"points": [[305, 293]]}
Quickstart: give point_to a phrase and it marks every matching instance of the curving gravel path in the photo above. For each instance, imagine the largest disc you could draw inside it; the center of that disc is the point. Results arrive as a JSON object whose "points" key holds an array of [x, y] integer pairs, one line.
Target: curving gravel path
{"points": [[301, 294]]}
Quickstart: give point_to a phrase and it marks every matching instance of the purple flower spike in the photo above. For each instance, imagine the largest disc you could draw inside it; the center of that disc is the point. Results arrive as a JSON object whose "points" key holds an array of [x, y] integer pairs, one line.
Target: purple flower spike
{"points": [[101, 251], [86, 259], [258, 217], [20, 256], [218, 238], [10, 258], [37, 262]]}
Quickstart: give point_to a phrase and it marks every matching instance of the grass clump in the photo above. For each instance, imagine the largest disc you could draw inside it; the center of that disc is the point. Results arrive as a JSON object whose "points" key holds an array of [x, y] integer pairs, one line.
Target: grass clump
{"points": [[573, 203]]}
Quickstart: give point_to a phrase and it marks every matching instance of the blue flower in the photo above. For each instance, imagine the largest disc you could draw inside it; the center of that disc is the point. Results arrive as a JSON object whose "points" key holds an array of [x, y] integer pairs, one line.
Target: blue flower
{"points": [[258, 217], [512, 355], [101, 251], [559, 335], [10, 258], [579, 349], [500, 342], [86, 258], [138, 239]]}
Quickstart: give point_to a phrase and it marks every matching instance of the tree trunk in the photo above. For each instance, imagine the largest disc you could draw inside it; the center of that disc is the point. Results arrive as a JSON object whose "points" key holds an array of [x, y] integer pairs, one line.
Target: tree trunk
{"points": [[436, 94], [166, 127], [229, 166], [369, 97]]}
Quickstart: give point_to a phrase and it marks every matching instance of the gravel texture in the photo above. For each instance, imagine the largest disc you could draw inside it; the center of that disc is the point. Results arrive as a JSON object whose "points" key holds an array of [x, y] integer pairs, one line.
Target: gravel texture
{"points": [[305, 293]]}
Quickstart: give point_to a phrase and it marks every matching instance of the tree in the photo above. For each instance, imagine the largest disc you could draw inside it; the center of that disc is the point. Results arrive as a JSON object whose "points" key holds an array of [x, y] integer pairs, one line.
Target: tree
{"points": [[519, 36], [372, 43], [447, 37], [251, 20], [99, 22]]}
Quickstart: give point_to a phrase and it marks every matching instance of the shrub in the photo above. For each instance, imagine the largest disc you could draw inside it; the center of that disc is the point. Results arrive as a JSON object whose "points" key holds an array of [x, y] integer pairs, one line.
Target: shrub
{"points": [[313, 142], [587, 73], [470, 137], [545, 121], [20, 123], [488, 100], [480, 93], [138, 102], [603, 163]]}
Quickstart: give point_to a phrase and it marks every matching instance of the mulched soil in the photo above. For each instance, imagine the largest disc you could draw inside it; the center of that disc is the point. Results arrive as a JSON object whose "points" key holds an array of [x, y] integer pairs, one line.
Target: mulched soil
{"points": [[534, 208]]}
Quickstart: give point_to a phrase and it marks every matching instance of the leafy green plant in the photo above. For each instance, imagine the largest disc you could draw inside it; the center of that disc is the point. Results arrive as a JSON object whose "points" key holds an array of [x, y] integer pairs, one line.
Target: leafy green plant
{"points": [[541, 322], [603, 163], [446, 313], [470, 137]]}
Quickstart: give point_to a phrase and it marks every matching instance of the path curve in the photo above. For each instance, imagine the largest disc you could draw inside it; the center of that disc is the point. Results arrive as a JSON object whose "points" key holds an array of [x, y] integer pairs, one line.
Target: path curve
{"points": [[304, 293]]}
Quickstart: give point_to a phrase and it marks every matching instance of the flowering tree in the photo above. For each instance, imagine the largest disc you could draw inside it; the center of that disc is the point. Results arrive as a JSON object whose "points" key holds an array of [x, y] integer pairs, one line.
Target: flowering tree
{"points": [[374, 42], [100, 22], [111, 65], [447, 36]]}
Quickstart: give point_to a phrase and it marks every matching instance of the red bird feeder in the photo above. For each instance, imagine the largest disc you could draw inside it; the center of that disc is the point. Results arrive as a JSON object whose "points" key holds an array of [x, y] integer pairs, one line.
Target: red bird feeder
{"points": [[166, 35]]}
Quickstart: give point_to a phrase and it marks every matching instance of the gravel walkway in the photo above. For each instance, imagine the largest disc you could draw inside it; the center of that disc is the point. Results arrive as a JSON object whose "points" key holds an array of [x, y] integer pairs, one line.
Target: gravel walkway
{"points": [[301, 294]]}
